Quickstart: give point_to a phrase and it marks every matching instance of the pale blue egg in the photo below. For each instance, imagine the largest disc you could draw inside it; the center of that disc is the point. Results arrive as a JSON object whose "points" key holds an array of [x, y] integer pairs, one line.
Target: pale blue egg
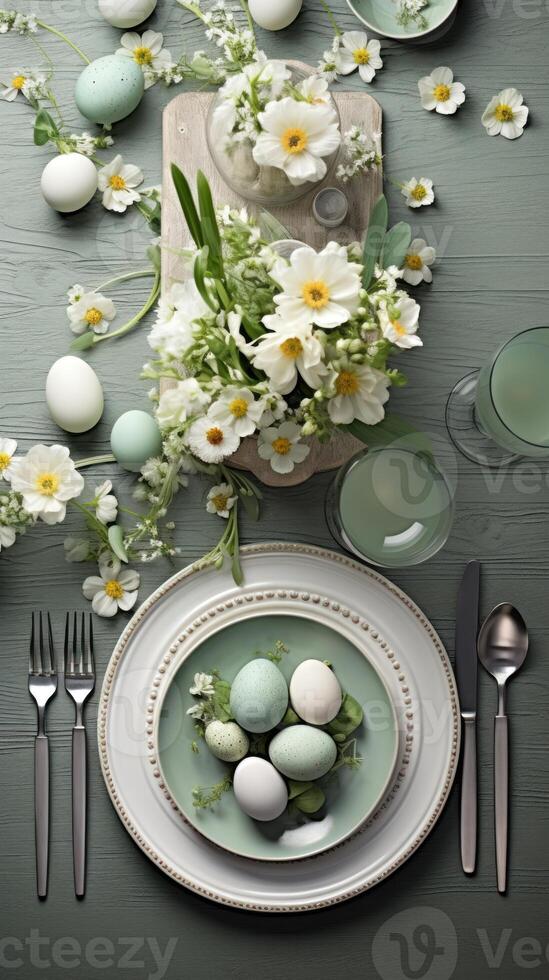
{"points": [[109, 89], [135, 437], [259, 696], [302, 752]]}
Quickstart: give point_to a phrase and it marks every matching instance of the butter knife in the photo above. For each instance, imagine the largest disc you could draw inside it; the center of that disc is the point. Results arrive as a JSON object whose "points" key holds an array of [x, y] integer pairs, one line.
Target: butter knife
{"points": [[466, 674]]}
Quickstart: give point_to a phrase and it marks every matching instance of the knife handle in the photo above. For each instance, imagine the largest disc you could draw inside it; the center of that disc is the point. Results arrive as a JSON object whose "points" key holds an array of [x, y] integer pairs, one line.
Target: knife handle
{"points": [[469, 797], [501, 778]]}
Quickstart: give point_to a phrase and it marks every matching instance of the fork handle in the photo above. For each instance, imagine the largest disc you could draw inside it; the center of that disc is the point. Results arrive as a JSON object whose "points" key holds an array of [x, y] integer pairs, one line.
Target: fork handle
{"points": [[42, 810], [79, 807]]}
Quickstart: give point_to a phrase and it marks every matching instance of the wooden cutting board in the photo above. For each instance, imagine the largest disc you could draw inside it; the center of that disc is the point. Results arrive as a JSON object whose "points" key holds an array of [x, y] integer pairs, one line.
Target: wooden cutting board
{"points": [[184, 143]]}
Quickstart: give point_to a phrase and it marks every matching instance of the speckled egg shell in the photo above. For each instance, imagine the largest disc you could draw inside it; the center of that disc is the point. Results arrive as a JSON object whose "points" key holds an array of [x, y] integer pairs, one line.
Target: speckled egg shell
{"points": [[302, 752], [259, 696], [226, 740], [315, 694], [109, 89]]}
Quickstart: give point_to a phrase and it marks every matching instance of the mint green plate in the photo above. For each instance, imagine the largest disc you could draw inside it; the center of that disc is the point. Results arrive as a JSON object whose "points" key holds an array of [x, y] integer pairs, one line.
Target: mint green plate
{"points": [[380, 16], [352, 795]]}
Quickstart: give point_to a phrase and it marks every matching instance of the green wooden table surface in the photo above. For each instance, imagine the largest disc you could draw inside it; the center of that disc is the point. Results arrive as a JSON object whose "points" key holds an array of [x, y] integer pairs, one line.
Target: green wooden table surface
{"points": [[489, 225]]}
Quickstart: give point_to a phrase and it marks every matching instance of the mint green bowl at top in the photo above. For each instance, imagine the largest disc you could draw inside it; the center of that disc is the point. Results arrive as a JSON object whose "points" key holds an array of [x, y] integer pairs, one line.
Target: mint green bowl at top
{"points": [[380, 16], [352, 795]]}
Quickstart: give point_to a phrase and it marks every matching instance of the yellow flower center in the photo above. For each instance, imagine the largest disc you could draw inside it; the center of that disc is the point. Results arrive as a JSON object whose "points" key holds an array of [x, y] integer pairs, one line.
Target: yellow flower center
{"points": [[442, 93], [398, 328], [143, 56], [214, 436], [117, 182], [419, 192], [113, 589], [347, 383], [220, 501], [47, 484], [294, 140], [238, 407], [93, 316], [413, 261], [361, 56], [18, 82], [292, 347], [316, 294], [5, 461], [282, 446], [504, 113]]}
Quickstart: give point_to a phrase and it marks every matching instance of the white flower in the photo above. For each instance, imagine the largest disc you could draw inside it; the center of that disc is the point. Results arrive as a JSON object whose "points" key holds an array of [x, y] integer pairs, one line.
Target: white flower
{"points": [[106, 504], [357, 51], [315, 89], [90, 311], [76, 292], [281, 445], [417, 262], [147, 51], [47, 478], [283, 352], [360, 393], [238, 408], [176, 316], [30, 84], [196, 711], [202, 686], [418, 192], [221, 500], [439, 91], [112, 589], [177, 404], [317, 287], [295, 137], [7, 449], [399, 322], [7, 536], [505, 114], [211, 441], [118, 181]]}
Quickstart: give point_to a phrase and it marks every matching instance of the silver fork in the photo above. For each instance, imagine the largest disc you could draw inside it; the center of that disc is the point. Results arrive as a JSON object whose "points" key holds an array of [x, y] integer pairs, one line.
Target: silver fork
{"points": [[79, 683], [42, 687]]}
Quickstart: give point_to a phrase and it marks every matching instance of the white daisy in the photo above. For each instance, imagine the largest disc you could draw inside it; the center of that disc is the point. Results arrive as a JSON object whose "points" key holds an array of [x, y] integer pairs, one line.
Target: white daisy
{"points": [[202, 686], [417, 262], [284, 352], [281, 445], [147, 51], [211, 441], [400, 322], [505, 114], [356, 51], [315, 89], [238, 408], [118, 181], [418, 192], [7, 449], [7, 536], [221, 500], [178, 404], [112, 589], [90, 311], [27, 83], [295, 137], [106, 504], [317, 287], [177, 314], [360, 393], [47, 478], [439, 91], [76, 292]]}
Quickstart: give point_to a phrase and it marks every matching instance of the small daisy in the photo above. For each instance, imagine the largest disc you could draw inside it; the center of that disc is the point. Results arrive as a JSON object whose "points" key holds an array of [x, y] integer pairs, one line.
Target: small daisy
{"points": [[418, 192], [211, 441], [220, 500], [286, 351], [106, 504], [321, 288], [147, 51], [360, 393], [47, 478], [238, 408], [196, 711], [399, 323], [21, 82], [7, 449], [90, 311], [439, 91], [505, 114], [202, 686], [118, 181], [112, 589], [357, 51], [315, 90], [295, 137], [281, 445], [417, 262]]}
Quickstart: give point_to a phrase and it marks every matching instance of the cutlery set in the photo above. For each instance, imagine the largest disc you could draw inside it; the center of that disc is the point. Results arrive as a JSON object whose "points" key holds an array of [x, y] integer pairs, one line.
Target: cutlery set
{"points": [[501, 646], [79, 678]]}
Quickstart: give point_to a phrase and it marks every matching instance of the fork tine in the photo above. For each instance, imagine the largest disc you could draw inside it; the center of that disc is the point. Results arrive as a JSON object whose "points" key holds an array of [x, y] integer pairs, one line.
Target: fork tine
{"points": [[53, 665], [39, 648], [66, 645], [91, 661], [73, 653], [31, 647], [82, 644]]}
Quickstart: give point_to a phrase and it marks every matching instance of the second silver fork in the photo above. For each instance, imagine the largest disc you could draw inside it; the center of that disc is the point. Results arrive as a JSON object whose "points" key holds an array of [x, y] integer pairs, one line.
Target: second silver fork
{"points": [[79, 684]]}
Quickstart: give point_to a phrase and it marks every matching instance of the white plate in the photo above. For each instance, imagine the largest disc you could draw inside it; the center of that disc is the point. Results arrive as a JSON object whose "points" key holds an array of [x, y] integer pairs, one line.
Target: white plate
{"points": [[125, 731]]}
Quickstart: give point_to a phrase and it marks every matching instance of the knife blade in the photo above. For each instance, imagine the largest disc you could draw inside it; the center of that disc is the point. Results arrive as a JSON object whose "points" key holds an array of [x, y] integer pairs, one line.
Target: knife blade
{"points": [[466, 675]]}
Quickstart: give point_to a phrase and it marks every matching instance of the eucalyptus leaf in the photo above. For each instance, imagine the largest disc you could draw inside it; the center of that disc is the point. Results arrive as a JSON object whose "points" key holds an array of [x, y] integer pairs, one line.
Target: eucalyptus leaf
{"points": [[188, 206], [348, 718], [373, 241], [311, 801], [396, 245], [115, 535]]}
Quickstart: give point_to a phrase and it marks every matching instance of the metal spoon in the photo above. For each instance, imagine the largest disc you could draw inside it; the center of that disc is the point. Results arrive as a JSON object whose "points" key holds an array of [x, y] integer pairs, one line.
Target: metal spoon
{"points": [[502, 648]]}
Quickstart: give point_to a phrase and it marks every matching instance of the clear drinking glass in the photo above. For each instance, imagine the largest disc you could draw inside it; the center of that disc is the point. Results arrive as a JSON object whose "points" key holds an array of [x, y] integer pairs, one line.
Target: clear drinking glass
{"points": [[501, 412]]}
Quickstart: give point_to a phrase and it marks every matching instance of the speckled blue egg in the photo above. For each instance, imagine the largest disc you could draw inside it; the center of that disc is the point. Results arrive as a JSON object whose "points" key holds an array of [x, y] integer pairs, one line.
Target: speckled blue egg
{"points": [[259, 696], [135, 437], [109, 89], [303, 752]]}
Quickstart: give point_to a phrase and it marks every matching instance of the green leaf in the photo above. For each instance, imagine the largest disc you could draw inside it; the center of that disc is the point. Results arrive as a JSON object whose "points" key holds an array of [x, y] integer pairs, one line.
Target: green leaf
{"points": [[153, 254], [391, 429], [396, 245], [188, 206], [271, 229], [238, 574], [311, 801], [222, 700], [199, 269], [290, 718], [373, 241], [252, 327], [44, 128], [210, 228], [348, 718], [296, 788], [84, 342], [115, 535], [251, 505]]}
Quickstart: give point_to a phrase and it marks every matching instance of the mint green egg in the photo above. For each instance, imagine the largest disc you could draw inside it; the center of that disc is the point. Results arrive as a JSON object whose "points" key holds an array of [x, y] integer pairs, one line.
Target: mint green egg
{"points": [[303, 752], [135, 437], [259, 696], [109, 89]]}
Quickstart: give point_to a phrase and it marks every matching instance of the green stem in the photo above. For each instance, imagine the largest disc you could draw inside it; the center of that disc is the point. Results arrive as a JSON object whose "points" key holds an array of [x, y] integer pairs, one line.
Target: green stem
{"points": [[95, 460], [331, 18], [126, 327], [142, 274], [246, 9], [63, 37]]}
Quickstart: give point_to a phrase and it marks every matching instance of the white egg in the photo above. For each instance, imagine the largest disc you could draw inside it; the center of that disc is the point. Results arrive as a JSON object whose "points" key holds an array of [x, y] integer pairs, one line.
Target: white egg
{"points": [[74, 395], [126, 13], [315, 694], [274, 15], [259, 789], [69, 182]]}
